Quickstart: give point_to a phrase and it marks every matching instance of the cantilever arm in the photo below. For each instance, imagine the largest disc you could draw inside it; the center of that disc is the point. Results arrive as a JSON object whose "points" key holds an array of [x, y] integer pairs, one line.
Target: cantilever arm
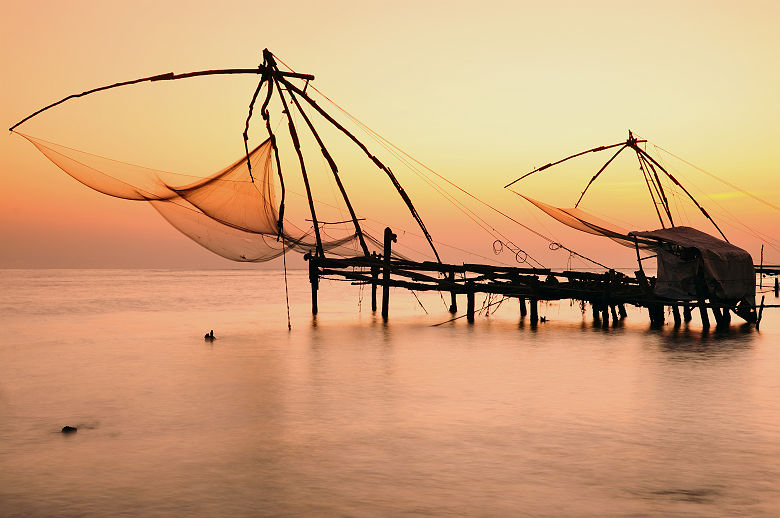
{"points": [[595, 149], [597, 175], [165, 77]]}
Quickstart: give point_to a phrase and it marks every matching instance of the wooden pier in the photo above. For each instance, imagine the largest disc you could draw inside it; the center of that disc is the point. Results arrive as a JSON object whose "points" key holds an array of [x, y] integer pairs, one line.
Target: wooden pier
{"points": [[607, 293]]}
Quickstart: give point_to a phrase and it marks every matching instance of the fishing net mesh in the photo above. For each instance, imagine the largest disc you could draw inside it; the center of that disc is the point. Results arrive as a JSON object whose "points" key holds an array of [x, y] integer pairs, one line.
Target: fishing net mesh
{"points": [[230, 213]]}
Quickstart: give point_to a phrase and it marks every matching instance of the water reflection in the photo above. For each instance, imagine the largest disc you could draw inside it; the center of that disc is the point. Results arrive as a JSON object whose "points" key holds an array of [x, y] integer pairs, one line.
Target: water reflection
{"points": [[346, 415]]}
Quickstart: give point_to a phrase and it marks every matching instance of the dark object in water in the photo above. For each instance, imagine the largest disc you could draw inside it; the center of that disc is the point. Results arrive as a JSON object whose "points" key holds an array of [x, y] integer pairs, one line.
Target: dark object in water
{"points": [[209, 336], [69, 429]]}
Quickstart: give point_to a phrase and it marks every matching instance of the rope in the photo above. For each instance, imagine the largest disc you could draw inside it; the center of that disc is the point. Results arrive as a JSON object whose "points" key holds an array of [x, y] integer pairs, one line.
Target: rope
{"points": [[721, 180], [286, 293], [378, 137]]}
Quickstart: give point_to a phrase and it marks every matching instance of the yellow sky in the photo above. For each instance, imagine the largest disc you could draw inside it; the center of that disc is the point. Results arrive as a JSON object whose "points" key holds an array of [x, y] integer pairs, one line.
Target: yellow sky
{"points": [[482, 92]]}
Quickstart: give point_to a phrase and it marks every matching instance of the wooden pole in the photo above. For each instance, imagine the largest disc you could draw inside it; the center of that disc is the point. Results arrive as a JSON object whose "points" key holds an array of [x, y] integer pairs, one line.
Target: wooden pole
{"points": [[260, 70], [705, 318], [534, 311], [335, 170], [777, 288], [374, 279], [596, 313], [676, 315], [622, 311], [377, 162], [314, 279], [297, 146], [470, 302], [687, 313], [389, 238], [453, 297], [613, 310], [523, 309], [718, 315]]}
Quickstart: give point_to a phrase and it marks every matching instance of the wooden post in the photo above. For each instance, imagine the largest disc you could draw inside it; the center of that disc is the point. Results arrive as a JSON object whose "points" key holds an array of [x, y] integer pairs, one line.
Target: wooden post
{"points": [[374, 280], [613, 310], [777, 288], [470, 302], [622, 311], [676, 315], [523, 308], [534, 311], [596, 313], [687, 313], [656, 312], [389, 238], [605, 315], [705, 318], [314, 279], [453, 297], [718, 316]]}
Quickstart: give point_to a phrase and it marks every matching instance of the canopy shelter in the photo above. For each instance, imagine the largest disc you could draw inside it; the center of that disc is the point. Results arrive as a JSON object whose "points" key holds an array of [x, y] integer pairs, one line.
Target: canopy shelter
{"points": [[692, 263]]}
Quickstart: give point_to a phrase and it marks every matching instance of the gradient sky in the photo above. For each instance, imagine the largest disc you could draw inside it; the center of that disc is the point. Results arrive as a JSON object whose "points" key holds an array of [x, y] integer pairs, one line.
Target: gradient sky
{"points": [[482, 92]]}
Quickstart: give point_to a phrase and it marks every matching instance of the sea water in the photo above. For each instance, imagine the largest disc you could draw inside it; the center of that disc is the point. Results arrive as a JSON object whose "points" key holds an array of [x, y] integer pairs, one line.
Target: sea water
{"points": [[344, 415]]}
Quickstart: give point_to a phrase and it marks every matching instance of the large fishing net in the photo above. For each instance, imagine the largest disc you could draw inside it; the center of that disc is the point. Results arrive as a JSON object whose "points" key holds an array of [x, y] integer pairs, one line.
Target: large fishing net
{"points": [[231, 213]]}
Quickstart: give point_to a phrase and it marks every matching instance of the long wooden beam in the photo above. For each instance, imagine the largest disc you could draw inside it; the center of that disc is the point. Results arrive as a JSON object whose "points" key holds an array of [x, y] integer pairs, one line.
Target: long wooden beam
{"points": [[169, 76]]}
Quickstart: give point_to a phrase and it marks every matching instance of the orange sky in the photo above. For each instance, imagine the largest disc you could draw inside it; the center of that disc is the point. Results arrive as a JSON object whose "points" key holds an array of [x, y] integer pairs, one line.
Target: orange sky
{"points": [[482, 92]]}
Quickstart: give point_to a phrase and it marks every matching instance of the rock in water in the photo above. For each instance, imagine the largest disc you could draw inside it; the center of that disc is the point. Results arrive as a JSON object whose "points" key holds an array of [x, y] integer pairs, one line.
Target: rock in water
{"points": [[69, 429]]}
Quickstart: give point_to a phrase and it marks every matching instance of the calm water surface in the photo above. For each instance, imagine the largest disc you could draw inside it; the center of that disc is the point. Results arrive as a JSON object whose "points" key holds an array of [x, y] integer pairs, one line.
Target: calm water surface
{"points": [[345, 416]]}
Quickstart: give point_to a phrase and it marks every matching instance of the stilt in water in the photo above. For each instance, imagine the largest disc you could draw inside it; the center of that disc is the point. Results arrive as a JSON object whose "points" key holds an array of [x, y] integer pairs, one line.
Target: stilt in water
{"points": [[470, 302], [523, 308], [777, 288], [389, 238], [716, 312], [604, 315], [314, 279], [534, 311], [613, 310], [687, 317], [453, 296], [374, 280], [622, 311], [596, 313], [676, 315], [656, 312], [705, 318]]}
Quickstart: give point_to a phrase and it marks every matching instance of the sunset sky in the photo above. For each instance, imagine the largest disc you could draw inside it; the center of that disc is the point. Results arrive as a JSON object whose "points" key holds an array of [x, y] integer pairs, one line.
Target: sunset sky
{"points": [[481, 92]]}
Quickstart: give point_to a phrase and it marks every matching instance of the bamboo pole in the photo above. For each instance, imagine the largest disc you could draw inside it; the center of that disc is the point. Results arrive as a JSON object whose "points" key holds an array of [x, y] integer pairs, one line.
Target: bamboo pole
{"points": [[260, 70], [374, 159], [297, 146], [335, 170]]}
